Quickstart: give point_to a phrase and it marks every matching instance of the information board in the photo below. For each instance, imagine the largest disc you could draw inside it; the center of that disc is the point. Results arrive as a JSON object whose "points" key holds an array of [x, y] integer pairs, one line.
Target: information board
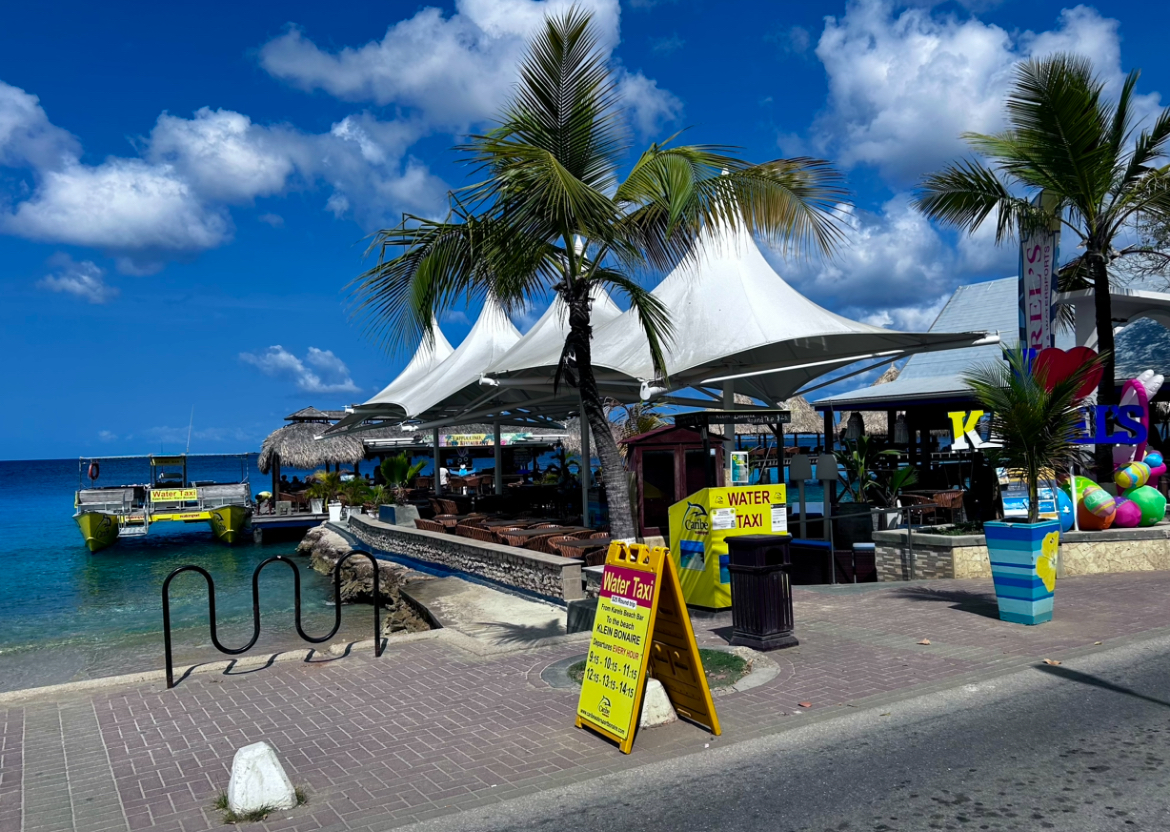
{"points": [[641, 625]]}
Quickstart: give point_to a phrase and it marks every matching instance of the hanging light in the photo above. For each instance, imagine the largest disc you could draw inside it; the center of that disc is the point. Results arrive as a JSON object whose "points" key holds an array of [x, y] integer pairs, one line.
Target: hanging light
{"points": [[855, 428], [901, 432]]}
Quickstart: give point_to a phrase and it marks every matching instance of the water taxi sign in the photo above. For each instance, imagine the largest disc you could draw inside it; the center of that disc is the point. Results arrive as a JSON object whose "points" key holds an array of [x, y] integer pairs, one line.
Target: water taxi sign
{"points": [[641, 625], [173, 495]]}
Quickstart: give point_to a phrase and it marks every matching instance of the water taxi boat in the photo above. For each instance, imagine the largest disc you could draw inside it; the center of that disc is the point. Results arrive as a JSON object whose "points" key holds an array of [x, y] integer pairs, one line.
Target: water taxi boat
{"points": [[106, 513]]}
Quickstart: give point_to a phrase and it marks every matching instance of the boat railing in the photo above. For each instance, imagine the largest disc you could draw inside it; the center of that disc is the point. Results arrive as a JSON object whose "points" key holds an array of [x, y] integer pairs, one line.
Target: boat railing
{"points": [[235, 651]]}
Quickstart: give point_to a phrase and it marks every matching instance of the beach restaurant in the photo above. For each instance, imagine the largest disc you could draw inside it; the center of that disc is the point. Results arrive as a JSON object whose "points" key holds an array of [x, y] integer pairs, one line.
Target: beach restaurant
{"points": [[739, 330]]}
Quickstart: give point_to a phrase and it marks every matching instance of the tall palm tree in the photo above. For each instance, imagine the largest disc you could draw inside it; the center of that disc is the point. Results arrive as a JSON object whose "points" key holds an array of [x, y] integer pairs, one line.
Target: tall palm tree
{"points": [[1064, 138], [550, 212]]}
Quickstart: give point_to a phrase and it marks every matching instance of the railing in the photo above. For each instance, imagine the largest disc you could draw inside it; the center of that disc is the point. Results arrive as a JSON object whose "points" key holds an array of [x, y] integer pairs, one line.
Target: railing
{"points": [[827, 525], [235, 651]]}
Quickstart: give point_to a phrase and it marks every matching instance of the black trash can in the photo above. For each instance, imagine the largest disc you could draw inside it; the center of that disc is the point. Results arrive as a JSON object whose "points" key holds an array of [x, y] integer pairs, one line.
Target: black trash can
{"points": [[761, 596]]}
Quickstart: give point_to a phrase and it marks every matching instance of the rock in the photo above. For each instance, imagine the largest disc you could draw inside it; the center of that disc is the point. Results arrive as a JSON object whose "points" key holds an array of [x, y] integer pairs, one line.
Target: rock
{"points": [[325, 547], [258, 781], [656, 707]]}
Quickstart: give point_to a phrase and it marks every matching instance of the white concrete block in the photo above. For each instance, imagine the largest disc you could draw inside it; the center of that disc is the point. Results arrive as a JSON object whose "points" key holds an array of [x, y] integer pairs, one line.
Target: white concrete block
{"points": [[656, 708], [258, 780]]}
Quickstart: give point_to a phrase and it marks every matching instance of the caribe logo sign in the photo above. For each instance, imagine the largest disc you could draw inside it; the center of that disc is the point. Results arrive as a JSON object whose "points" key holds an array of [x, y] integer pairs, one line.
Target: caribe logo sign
{"points": [[695, 520]]}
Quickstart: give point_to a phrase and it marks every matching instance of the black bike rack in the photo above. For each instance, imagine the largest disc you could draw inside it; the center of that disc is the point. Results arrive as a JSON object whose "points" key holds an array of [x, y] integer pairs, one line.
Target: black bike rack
{"points": [[166, 607]]}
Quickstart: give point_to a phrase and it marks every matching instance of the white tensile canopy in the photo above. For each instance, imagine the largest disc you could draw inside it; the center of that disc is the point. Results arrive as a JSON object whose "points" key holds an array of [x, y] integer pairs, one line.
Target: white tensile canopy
{"points": [[443, 384], [426, 359], [738, 328], [735, 321]]}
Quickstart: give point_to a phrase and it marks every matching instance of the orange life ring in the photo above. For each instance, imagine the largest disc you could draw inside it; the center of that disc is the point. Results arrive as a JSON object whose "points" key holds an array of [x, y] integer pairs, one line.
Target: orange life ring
{"points": [[94, 470]]}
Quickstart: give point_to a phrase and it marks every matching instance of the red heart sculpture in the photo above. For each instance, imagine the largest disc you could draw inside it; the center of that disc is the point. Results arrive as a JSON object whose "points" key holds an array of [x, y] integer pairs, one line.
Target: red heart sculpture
{"points": [[1054, 366]]}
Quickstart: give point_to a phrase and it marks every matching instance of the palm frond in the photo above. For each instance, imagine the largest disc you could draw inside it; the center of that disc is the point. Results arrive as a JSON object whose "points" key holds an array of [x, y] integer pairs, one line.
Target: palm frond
{"points": [[963, 195]]}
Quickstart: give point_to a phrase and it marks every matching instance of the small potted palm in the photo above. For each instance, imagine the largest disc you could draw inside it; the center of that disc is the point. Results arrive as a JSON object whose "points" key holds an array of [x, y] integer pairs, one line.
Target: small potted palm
{"points": [[325, 488], [861, 484], [399, 473], [1036, 420]]}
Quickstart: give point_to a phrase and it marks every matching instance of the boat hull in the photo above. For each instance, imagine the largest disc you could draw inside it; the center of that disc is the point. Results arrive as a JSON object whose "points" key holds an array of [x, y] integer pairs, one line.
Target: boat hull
{"points": [[99, 530], [228, 523]]}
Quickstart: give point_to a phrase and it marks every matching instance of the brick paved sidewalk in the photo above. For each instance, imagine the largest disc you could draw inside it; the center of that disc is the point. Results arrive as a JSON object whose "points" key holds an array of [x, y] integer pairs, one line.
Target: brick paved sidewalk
{"points": [[430, 728]]}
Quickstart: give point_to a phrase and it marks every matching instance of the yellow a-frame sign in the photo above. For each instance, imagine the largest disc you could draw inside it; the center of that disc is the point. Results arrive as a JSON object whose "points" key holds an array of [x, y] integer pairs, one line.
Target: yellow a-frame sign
{"points": [[641, 624]]}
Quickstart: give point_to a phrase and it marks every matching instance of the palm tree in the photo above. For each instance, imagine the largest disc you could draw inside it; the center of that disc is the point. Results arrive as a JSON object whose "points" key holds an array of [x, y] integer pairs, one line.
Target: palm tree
{"points": [[1064, 139], [551, 213], [1034, 422]]}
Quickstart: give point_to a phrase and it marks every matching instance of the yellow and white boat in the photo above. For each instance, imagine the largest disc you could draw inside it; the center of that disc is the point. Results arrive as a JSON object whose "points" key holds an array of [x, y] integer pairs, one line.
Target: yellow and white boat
{"points": [[104, 514]]}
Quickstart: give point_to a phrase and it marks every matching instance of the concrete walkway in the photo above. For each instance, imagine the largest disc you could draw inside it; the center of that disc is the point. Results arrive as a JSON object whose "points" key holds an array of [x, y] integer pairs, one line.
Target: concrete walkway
{"points": [[433, 728]]}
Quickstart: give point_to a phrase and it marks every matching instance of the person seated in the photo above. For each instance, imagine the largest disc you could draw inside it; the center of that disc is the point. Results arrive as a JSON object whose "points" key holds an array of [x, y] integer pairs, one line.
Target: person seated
{"points": [[284, 483], [296, 484]]}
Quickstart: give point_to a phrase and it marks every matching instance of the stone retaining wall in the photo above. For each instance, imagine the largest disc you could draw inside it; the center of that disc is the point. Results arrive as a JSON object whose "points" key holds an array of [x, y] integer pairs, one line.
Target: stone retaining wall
{"points": [[965, 556], [550, 576]]}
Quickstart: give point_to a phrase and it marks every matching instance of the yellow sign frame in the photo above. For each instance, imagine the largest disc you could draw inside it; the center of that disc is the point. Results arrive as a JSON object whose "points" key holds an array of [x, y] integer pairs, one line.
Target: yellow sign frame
{"points": [[615, 677], [173, 495]]}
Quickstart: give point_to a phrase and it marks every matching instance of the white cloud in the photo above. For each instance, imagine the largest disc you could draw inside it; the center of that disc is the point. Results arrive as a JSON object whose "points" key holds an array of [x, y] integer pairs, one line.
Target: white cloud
{"points": [[452, 72], [904, 85], [320, 372], [84, 280], [107, 435], [895, 268], [27, 137], [125, 205], [275, 220], [667, 45], [457, 69]]}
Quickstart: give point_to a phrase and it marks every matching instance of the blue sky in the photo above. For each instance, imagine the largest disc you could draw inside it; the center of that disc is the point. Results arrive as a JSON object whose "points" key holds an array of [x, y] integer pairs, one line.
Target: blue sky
{"points": [[184, 194]]}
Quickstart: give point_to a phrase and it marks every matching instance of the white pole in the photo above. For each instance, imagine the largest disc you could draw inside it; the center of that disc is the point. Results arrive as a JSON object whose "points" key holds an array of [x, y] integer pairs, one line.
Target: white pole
{"points": [[499, 456], [729, 432], [586, 468], [438, 461]]}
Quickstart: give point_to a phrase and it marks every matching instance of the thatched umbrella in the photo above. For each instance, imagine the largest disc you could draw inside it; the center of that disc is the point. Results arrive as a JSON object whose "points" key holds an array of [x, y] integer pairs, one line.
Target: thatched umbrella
{"points": [[296, 444]]}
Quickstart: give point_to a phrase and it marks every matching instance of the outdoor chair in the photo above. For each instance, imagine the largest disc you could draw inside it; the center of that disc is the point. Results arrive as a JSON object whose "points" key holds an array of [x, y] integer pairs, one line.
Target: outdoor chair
{"points": [[448, 506], [429, 525], [567, 552], [540, 543], [475, 533], [952, 503], [596, 557], [448, 521], [549, 526], [925, 508], [598, 535], [500, 531]]}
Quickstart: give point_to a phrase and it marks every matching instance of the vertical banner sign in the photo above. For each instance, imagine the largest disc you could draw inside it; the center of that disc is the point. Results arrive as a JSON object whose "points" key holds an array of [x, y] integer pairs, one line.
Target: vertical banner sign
{"points": [[1038, 252], [641, 624]]}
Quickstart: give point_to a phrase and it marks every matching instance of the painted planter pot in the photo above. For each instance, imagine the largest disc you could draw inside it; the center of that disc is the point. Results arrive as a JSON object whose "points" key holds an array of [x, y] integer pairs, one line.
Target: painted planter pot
{"points": [[1023, 566]]}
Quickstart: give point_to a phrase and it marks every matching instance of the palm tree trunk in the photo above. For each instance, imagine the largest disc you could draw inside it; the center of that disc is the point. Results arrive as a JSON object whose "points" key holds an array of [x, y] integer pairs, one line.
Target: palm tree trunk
{"points": [[613, 474], [1106, 388]]}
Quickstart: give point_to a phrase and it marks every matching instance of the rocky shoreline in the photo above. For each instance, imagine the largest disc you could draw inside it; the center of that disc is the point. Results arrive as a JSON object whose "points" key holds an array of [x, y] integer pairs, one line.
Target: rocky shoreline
{"points": [[325, 547]]}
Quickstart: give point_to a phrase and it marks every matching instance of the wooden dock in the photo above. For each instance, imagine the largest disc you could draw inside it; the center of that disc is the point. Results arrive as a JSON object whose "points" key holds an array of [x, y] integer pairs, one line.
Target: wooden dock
{"points": [[302, 520]]}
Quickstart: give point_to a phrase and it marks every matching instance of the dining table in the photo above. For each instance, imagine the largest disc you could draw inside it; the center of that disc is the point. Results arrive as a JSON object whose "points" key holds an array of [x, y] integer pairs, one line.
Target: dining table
{"points": [[521, 536]]}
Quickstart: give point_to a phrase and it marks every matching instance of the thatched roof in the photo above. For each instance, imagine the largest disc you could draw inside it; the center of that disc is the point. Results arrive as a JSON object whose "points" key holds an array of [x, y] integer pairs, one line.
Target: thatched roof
{"points": [[297, 446], [312, 414]]}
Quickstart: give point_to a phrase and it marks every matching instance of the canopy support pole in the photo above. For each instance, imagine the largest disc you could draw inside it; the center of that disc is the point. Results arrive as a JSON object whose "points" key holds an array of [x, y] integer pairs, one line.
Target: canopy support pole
{"points": [[498, 454], [438, 461], [728, 430], [275, 480], [586, 467]]}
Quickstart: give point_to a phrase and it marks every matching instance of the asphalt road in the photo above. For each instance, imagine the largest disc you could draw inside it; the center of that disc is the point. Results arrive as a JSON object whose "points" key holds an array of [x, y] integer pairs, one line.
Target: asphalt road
{"points": [[1082, 746]]}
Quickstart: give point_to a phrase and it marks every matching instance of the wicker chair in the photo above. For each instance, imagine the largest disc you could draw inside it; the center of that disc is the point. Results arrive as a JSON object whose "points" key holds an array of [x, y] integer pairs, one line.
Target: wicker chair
{"points": [[596, 557], [500, 531], [584, 535], [543, 544], [549, 526], [475, 533], [448, 506], [448, 521], [429, 525]]}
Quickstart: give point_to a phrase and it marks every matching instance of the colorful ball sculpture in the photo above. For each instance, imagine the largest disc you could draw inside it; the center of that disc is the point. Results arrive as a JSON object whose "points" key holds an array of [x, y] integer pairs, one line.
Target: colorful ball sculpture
{"points": [[1064, 510], [1098, 501], [1132, 475], [1083, 485], [1129, 514], [1151, 503], [1090, 522], [1153, 459]]}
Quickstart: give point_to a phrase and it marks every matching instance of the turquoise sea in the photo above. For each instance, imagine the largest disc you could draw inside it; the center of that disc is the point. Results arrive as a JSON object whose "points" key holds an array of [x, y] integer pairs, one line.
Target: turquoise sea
{"points": [[67, 614]]}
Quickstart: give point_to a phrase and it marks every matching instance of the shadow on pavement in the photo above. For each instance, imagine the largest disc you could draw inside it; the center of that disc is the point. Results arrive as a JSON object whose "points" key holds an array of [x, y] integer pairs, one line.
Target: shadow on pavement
{"points": [[977, 603], [1097, 682]]}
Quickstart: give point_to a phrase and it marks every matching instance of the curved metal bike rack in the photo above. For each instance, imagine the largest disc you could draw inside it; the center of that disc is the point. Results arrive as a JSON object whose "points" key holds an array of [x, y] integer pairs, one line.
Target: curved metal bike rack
{"points": [[235, 651]]}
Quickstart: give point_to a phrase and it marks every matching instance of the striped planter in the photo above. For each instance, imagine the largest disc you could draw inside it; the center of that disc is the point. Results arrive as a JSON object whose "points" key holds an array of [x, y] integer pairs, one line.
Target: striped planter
{"points": [[1023, 566]]}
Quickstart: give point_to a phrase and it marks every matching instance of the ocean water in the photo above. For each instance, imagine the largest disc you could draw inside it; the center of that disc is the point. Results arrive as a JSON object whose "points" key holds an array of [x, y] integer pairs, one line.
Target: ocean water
{"points": [[67, 613]]}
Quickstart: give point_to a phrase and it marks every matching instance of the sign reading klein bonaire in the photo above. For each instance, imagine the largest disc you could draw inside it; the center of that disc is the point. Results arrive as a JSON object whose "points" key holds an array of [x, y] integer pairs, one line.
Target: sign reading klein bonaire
{"points": [[641, 625]]}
